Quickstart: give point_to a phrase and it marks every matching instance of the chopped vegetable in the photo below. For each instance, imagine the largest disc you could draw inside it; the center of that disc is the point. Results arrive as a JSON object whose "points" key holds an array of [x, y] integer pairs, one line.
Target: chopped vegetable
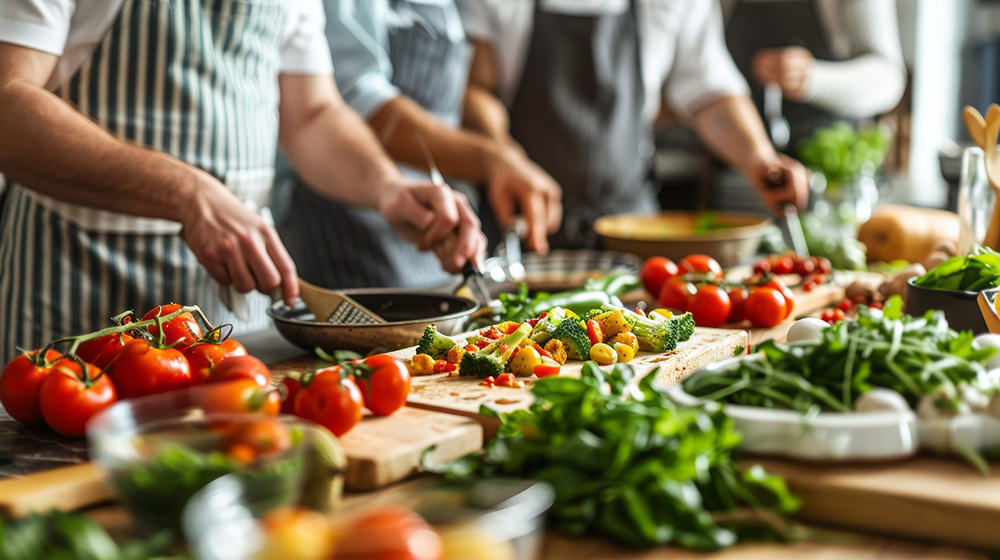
{"points": [[546, 370], [433, 343], [595, 332], [492, 360], [508, 380], [523, 363], [624, 351], [603, 354], [455, 354], [659, 335], [978, 271], [557, 350], [614, 322], [421, 364], [574, 338], [627, 338]]}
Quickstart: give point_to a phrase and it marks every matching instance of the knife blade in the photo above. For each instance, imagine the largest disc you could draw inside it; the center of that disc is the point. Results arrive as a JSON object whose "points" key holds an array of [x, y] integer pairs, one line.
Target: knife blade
{"points": [[791, 225]]}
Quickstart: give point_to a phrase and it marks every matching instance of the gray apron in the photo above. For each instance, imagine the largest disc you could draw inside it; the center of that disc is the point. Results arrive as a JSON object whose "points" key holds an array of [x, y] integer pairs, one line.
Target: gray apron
{"points": [[777, 24], [341, 246], [578, 114], [194, 79]]}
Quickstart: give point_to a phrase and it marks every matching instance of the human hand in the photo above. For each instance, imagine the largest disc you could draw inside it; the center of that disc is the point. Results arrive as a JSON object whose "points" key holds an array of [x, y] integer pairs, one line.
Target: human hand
{"points": [[789, 68], [781, 180], [435, 218], [235, 245], [515, 182]]}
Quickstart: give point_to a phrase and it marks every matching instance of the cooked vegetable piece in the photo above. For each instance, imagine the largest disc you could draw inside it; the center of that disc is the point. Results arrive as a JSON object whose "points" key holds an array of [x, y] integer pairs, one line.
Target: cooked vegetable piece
{"points": [[659, 335], [492, 360], [574, 338], [434, 344]]}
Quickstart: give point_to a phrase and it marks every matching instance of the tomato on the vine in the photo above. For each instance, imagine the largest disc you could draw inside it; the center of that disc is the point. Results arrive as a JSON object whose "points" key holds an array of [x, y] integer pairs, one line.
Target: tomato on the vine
{"points": [[183, 328], [655, 272], [832, 315], [141, 369], [241, 367], [102, 350], [386, 387], [738, 298], [69, 398], [292, 386], [676, 294], [250, 440], [779, 284], [781, 264], [205, 355], [710, 306], [388, 533], [21, 382], [700, 264], [765, 307], [331, 399], [240, 396]]}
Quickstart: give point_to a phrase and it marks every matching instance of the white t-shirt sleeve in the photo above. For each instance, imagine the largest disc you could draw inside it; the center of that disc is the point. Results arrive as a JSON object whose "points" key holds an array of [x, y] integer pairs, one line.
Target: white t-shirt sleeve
{"points": [[703, 70], [478, 18], [305, 50], [42, 25]]}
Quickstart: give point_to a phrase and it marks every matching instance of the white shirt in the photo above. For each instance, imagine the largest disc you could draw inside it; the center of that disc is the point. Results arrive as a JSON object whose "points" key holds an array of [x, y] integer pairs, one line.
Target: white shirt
{"points": [[72, 29], [685, 63]]}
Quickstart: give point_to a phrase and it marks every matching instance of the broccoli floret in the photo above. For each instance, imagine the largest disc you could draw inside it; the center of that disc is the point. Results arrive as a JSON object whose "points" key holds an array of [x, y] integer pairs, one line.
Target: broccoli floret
{"points": [[659, 336], [574, 336], [592, 314], [434, 344], [493, 359]]}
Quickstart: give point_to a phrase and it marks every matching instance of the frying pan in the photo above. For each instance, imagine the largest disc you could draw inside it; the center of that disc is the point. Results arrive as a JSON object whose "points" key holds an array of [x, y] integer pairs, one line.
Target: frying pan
{"points": [[406, 312]]}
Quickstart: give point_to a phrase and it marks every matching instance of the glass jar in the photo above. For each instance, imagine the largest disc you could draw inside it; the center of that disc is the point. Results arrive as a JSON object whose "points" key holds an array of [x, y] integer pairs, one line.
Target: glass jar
{"points": [[975, 200]]}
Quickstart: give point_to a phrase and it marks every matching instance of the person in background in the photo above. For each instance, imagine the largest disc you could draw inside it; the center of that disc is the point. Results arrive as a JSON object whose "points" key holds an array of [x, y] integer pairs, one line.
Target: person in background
{"points": [[404, 66], [831, 60], [139, 138], [578, 85]]}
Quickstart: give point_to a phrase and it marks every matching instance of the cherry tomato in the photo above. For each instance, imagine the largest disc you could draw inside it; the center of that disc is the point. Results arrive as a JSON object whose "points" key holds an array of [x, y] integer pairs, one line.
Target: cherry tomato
{"points": [[332, 400], [701, 264], [738, 298], [710, 306], [779, 284], [545, 370], [102, 350], [250, 440], [69, 400], [781, 264], [184, 327], [655, 272], [292, 386], [761, 267], [141, 369], [677, 294], [388, 533], [765, 307], [241, 367], [386, 388], [845, 305], [832, 315], [205, 355], [240, 396], [804, 267], [21, 381]]}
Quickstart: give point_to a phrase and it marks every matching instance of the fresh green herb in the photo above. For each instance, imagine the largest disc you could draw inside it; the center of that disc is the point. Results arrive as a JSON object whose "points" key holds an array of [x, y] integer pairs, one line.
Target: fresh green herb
{"points": [[627, 463], [914, 356], [975, 272], [521, 305], [707, 222], [839, 152], [59, 535]]}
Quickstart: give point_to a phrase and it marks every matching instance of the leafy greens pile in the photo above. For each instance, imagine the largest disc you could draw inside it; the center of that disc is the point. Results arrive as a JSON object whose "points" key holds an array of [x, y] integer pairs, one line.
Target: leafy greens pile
{"points": [[840, 151], [627, 463], [975, 272], [60, 535], [912, 355]]}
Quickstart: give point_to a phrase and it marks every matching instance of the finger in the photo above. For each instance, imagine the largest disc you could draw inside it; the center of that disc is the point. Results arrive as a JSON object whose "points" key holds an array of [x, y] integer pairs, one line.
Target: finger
{"points": [[410, 219], [554, 208], [265, 274], [469, 231], [216, 270], [285, 265], [533, 207], [442, 201], [503, 205], [481, 251], [235, 263]]}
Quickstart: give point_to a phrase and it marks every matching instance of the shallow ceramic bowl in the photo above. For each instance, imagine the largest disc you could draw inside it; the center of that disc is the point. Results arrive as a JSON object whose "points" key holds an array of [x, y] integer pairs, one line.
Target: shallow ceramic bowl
{"points": [[670, 234], [961, 308]]}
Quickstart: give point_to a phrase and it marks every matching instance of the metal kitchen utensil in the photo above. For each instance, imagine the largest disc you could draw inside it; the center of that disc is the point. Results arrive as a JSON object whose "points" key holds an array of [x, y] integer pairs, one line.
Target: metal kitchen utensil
{"points": [[984, 132], [335, 306], [510, 250], [791, 225], [777, 124]]}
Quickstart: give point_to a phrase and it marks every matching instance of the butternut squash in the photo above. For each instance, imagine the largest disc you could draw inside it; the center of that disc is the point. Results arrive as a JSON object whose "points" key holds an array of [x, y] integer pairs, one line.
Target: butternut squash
{"points": [[907, 232]]}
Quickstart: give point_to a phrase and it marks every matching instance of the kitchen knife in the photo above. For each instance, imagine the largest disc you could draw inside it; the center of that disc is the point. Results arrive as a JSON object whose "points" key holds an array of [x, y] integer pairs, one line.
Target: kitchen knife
{"points": [[791, 225]]}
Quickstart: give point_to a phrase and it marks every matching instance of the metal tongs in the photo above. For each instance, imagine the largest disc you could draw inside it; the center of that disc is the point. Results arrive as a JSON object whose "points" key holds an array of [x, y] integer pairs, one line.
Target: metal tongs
{"points": [[470, 272]]}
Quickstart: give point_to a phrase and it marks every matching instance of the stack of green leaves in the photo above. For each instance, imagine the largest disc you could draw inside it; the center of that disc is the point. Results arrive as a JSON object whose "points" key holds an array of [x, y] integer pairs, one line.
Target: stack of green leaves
{"points": [[625, 462], [912, 355], [59, 535], [840, 151], [975, 272]]}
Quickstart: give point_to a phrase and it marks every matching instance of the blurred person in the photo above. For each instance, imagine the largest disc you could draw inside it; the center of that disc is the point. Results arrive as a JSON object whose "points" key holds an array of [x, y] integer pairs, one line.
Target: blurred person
{"points": [[139, 141], [404, 66], [833, 60], [577, 86]]}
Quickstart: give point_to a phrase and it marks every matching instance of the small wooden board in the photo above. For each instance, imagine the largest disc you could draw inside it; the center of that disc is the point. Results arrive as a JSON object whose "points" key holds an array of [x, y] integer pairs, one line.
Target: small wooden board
{"points": [[926, 498], [65, 488]]}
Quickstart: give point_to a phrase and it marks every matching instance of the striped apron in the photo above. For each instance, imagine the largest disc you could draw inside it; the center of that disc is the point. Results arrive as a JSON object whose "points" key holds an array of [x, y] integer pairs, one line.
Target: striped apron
{"points": [[194, 78], [340, 246]]}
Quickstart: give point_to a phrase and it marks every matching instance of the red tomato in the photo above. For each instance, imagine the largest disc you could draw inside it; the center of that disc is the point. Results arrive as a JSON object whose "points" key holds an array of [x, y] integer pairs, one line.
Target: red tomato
{"points": [[292, 387], [102, 350], [655, 272], [241, 367], [823, 265], [332, 400], [68, 400], [738, 298], [240, 396], [779, 284], [701, 264], [184, 327], [710, 306], [765, 307], [204, 356], [386, 388], [388, 533], [544, 370], [832, 315], [677, 294], [804, 267], [20, 383], [141, 369], [780, 264], [250, 440]]}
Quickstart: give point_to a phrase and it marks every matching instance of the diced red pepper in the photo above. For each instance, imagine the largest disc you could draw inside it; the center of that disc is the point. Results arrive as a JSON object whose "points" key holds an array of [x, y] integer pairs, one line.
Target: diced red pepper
{"points": [[442, 366], [545, 370], [808, 287], [532, 322], [640, 312], [594, 332], [482, 343], [543, 315], [508, 380], [541, 351], [489, 382]]}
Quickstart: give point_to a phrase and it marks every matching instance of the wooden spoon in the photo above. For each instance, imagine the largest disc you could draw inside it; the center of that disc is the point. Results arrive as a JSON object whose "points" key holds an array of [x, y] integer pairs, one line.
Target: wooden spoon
{"points": [[984, 132]]}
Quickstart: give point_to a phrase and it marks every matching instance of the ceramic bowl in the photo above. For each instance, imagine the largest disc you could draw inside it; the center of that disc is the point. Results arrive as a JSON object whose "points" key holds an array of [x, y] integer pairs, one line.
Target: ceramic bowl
{"points": [[961, 308]]}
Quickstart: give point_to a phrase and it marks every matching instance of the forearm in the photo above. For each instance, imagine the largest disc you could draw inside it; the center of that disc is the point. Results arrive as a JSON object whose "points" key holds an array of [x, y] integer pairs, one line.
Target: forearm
{"points": [[486, 114], [51, 148], [862, 87], [733, 131], [402, 125]]}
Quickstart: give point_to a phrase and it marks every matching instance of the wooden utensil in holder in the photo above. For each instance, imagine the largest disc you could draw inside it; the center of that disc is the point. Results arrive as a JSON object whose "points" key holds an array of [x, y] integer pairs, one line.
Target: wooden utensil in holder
{"points": [[984, 132]]}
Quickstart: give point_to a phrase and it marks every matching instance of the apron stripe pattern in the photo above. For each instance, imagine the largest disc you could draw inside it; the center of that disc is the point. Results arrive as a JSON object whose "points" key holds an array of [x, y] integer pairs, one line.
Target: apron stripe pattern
{"points": [[199, 82]]}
